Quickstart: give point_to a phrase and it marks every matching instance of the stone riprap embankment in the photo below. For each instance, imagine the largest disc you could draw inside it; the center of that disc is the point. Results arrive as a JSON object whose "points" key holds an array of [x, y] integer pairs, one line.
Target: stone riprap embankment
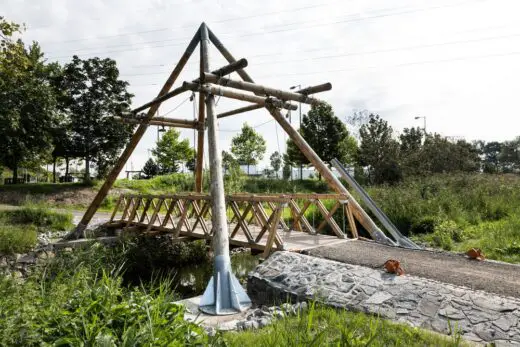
{"points": [[478, 316]]}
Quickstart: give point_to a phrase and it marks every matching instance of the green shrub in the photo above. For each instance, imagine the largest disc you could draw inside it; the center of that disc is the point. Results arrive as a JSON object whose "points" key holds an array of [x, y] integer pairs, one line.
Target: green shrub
{"points": [[38, 216], [17, 239], [424, 226], [85, 303]]}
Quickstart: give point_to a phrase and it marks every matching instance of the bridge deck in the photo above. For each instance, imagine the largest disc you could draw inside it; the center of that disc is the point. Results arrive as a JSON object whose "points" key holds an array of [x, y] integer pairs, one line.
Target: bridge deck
{"points": [[292, 240]]}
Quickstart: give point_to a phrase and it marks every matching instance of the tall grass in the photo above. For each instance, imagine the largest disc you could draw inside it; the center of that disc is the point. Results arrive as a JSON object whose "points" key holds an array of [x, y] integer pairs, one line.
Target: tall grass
{"points": [[79, 299], [322, 326], [38, 216], [17, 239]]}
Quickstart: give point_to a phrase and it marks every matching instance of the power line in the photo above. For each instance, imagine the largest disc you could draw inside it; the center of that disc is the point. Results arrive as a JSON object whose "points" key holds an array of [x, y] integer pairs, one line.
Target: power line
{"points": [[187, 25], [254, 127], [304, 26], [496, 55], [395, 49]]}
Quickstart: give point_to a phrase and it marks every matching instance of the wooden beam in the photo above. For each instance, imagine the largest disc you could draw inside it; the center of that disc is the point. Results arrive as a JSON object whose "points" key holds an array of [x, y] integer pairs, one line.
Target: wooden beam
{"points": [[136, 137], [306, 91], [167, 122], [157, 101], [225, 70], [240, 110], [315, 89], [260, 89], [233, 94]]}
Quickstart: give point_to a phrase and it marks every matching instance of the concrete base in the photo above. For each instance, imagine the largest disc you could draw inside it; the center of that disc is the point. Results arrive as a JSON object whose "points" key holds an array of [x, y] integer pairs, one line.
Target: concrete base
{"points": [[193, 314]]}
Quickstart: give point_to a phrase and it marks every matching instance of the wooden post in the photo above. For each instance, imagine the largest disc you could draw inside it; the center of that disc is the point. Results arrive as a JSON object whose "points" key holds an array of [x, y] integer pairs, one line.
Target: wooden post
{"points": [[162, 121], [136, 137]]}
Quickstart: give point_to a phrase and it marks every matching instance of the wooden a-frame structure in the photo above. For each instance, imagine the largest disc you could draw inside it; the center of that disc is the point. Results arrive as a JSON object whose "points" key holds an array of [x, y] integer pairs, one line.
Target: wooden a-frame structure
{"points": [[214, 83]]}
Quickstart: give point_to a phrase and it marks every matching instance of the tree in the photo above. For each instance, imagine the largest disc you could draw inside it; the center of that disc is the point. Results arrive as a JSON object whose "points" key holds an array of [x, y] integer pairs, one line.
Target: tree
{"points": [[379, 151], [293, 155], [27, 104], [276, 162], [228, 161], [327, 135], [170, 151], [150, 168], [510, 155], [192, 162], [93, 96], [248, 147], [411, 151]]}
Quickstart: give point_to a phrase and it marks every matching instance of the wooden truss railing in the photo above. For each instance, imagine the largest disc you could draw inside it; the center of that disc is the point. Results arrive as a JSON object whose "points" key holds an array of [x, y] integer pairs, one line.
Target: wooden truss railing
{"points": [[255, 221]]}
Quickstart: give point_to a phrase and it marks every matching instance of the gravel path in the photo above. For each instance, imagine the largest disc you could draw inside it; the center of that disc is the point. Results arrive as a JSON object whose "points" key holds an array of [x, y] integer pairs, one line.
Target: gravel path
{"points": [[489, 276]]}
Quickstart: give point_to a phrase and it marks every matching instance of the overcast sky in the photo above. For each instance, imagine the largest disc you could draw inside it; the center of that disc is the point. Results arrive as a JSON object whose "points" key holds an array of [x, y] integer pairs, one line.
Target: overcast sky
{"points": [[454, 62]]}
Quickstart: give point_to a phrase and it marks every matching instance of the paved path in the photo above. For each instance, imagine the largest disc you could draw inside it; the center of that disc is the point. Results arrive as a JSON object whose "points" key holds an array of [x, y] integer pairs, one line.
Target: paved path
{"points": [[478, 316], [493, 277]]}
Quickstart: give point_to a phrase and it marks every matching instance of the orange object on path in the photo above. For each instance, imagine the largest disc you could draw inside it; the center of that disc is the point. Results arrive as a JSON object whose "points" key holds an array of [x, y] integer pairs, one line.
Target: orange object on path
{"points": [[394, 266], [476, 253]]}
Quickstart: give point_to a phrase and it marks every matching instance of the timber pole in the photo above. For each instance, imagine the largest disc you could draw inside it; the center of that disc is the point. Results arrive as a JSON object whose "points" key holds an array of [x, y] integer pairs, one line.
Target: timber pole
{"points": [[224, 294], [136, 137], [260, 89], [204, 67], [331, 179], [238, 95]]}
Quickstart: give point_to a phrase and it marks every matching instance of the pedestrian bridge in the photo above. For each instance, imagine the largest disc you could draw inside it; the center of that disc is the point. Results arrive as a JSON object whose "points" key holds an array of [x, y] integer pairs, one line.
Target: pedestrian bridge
{"points": [[261, 222]]}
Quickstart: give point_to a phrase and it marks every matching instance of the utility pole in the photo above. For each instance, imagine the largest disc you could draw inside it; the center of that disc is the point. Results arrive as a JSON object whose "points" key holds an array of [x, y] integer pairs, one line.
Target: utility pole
{"points": [[224, 295], [299, 86]]}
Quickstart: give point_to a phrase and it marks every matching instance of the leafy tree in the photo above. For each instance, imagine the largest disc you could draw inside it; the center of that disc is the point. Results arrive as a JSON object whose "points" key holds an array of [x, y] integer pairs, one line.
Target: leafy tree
{"points": [[293, 156], [150, 168], [192, 162], [379, 151], [228, 161], [286, 171], [510, 155], [93, 95], [248, 147], [327, 135], [27, 104], [171, 150], [411, 151], [276, 162]]}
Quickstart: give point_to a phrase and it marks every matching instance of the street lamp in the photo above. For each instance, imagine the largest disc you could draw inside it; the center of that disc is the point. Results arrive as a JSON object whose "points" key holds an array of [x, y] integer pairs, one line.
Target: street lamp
{"points": [[299, 86], [424, 118]]}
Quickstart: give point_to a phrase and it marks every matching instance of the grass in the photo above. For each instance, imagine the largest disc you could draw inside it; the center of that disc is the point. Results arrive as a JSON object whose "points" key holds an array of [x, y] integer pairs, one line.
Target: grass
{"points": [[458, 212], [80, 298], [19, 227], [38, 216], [17, 239], [322, 326]]}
